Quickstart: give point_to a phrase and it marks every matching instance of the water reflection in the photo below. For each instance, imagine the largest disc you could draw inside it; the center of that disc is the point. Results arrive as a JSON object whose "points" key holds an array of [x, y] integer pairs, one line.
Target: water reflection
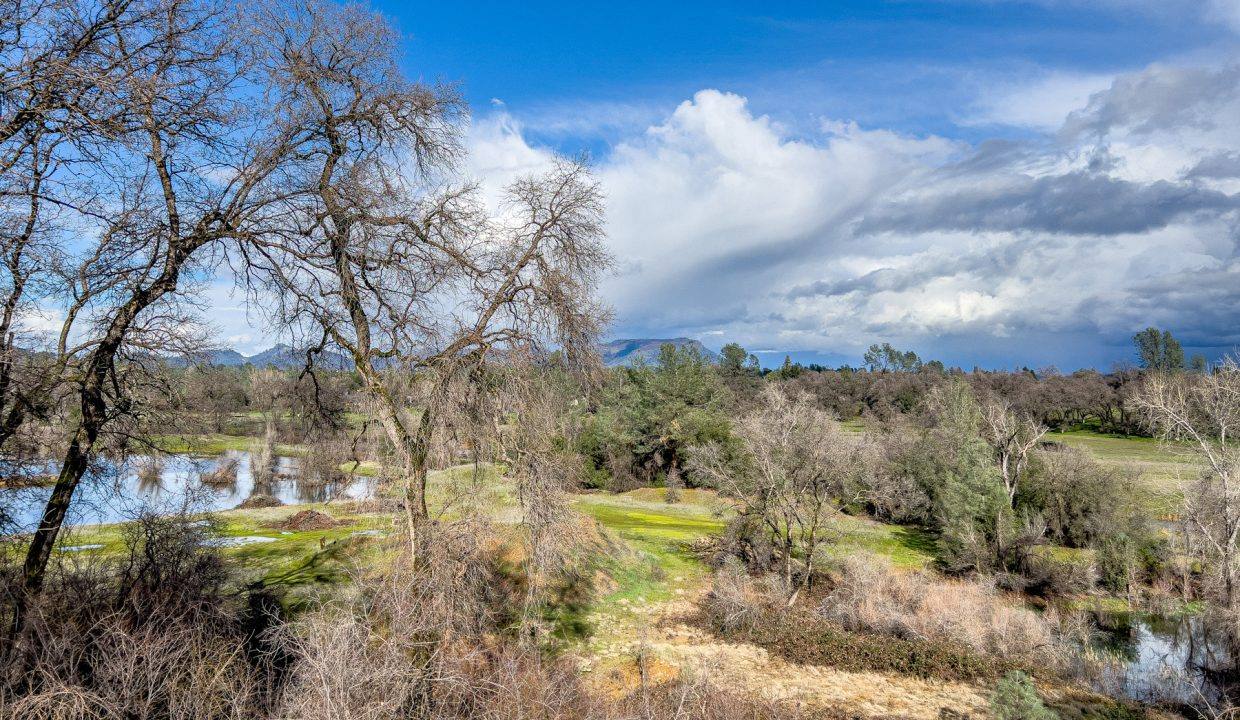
{"points": [[115, 492], [1180, 660]]}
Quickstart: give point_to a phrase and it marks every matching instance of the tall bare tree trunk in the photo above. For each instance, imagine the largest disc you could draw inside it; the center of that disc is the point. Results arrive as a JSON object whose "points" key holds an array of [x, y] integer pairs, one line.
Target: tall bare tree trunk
{"points": [[94, 410]]}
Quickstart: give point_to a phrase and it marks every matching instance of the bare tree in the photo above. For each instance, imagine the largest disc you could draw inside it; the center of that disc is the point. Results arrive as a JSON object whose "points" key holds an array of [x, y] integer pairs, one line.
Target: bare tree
{"points": [[183, 157], [383, 258], [1013, 436], [55, 76], [545, 468], [795, 471], [1201, 412]]}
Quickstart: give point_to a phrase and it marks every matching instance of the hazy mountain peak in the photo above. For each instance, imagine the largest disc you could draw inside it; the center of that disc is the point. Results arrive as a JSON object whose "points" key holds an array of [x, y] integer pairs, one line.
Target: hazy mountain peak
{"points": [[626, 351]]}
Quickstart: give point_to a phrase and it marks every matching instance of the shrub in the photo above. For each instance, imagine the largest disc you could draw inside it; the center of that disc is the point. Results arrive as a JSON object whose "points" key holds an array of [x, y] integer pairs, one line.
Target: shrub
{"points": [[871, 595], [154, 635], [756, 611], [735, 605], [745, 538], [1080, 500], [1060, 571], [1015, 698]]}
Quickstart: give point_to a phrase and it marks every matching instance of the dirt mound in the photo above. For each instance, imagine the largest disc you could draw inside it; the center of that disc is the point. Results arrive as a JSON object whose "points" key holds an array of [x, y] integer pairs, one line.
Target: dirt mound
{"points": [[308, 520], [259, 500]]}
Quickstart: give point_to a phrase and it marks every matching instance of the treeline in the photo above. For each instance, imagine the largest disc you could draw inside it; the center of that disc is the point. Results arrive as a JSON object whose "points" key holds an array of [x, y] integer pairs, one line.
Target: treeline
{"points": [[1083, 399], [892, 382], [960, 455]]}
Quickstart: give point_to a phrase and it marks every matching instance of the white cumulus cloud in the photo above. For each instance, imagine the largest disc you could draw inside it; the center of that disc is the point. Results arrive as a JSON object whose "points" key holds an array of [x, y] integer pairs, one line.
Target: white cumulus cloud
{"points": [[724, 221]]}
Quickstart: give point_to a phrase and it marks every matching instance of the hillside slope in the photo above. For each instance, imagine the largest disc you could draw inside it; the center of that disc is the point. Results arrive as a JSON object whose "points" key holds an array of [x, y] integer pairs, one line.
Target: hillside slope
{"points": [[627, 351]]}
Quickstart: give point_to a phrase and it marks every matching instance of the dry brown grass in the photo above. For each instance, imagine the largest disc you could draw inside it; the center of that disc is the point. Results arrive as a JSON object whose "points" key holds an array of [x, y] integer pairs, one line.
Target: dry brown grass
{"points": [[152, 636], [172, 671], [871, 595]]}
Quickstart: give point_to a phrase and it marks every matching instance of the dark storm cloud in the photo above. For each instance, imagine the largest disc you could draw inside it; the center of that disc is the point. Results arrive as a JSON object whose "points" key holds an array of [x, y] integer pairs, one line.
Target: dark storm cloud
{"points": [[1077, 203], [1221, 166]]}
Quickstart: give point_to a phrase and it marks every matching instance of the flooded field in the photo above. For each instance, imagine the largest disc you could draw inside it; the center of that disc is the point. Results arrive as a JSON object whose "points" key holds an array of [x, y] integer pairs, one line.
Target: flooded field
{"points": [[116, 492]]}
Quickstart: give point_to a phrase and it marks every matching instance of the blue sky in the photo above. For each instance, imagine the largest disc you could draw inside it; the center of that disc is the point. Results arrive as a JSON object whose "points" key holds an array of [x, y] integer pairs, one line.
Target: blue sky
{"points": [[988, 182], [905, 65]]}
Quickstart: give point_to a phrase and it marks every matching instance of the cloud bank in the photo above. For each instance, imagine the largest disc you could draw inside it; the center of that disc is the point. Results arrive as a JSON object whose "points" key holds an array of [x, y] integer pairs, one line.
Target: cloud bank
{"points": [[1122, 214]]}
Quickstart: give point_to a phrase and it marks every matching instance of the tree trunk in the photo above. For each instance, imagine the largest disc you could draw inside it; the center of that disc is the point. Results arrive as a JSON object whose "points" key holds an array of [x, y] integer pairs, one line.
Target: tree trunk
{"points": [[94, 410]]}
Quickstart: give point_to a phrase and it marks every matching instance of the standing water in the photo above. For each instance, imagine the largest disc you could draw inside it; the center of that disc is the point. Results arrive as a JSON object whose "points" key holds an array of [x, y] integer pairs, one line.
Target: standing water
{"points": [[119, 492], [1165, 660]]}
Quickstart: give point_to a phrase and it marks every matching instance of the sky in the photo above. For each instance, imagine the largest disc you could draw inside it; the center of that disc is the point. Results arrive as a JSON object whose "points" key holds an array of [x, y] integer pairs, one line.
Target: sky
{"points": [[988, 182]]}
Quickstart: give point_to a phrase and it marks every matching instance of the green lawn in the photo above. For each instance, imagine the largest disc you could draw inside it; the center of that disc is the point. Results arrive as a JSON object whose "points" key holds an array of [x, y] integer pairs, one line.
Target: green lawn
{"points": [[1159, 467], [907, 547]]}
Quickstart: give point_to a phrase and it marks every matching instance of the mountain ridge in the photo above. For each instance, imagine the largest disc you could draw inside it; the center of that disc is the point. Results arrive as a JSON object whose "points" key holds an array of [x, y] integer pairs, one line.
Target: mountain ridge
{"points": [[627, 351], [621, 351]]}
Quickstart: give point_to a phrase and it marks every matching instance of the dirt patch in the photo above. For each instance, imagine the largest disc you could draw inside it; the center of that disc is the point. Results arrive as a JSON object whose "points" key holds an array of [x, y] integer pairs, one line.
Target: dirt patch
{"points": [[308, 520], [259, 500], [674, 638]]}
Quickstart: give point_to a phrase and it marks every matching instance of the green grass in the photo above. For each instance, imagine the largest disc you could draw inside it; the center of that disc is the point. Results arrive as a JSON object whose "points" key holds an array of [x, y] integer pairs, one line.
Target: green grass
{"points": [[468, 489], [1160, 467], [296, 559], [216, 444], [659, 534], [906, 546], [367, 468]]}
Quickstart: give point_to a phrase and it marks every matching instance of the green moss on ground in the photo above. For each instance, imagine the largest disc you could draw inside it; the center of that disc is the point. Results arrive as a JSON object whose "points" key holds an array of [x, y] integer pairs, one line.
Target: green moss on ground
{"points": [[217, 444], [660, 535]]}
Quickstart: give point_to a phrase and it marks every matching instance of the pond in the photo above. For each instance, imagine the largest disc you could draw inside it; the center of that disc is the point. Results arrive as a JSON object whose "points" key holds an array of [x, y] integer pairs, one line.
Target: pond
{"points": [[116, 492], [1169, 660]]}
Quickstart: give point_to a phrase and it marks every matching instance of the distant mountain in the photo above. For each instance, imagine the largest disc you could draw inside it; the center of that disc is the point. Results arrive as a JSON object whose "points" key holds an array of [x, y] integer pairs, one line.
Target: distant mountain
{"points": [[630, 350], [285, 357], [282, 357], [224, 358]]}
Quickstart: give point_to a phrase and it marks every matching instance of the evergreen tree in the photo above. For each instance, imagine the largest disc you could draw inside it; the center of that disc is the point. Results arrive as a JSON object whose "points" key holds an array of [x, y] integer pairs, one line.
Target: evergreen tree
{"points": [[1159, 351], [735, 361]]}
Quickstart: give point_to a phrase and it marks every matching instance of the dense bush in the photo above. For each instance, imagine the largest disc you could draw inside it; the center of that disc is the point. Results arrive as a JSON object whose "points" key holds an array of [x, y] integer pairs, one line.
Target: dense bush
{"points": [[152, 637], [1015, 698], [650, 414], [870, 595], [756, 611], [1079, 500]]}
